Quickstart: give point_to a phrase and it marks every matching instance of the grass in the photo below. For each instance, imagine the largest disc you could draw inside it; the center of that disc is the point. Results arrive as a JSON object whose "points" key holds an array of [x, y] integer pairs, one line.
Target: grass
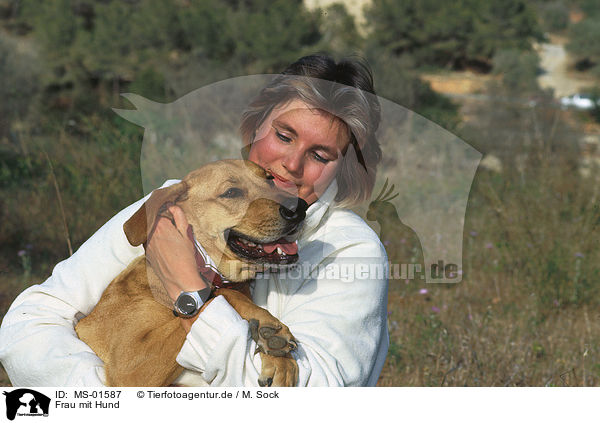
{"points": [[525, 314], [488, 332]]}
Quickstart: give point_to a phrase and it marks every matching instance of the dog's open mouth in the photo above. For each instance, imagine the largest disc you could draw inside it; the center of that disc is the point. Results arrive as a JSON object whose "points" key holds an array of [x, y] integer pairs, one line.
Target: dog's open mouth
{"points": [[281, 251]]}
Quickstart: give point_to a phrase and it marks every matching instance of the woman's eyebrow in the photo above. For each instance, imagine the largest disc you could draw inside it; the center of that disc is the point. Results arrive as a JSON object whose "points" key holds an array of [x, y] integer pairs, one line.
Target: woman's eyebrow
{"points": [[285, 126]]}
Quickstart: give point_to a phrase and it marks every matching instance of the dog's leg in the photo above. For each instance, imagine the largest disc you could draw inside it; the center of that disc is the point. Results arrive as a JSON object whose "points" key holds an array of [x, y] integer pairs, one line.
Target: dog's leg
{"points": [[274, 340], [137, 338], [278, 371], [148, 359]]}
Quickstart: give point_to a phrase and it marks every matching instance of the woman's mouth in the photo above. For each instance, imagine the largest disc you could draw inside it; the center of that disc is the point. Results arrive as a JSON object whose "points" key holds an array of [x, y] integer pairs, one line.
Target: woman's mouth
{"points": [[282, 182]]}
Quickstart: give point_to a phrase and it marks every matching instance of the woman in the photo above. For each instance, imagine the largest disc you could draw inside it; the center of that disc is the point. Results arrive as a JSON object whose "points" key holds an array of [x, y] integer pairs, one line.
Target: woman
{"points": [[313, 130]]}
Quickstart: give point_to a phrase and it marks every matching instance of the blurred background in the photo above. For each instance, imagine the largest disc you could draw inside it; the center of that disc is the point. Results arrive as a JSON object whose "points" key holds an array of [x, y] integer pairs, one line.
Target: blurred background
{"points": [[518, 80]]}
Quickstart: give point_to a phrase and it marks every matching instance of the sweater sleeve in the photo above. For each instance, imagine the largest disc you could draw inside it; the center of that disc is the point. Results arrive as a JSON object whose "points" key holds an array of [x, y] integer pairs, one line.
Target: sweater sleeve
{"points": [[338, 319], [38, 343], [219, 347]]}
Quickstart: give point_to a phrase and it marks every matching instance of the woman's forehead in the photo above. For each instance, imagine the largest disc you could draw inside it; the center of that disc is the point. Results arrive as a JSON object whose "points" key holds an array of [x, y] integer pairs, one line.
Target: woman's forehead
{"points": [[293, 115]]}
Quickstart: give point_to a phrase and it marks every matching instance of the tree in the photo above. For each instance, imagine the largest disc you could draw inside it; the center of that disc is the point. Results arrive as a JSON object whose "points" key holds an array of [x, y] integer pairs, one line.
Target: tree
{"points": [[20, 83], [584, 44], [451, 35], [396, 83]]}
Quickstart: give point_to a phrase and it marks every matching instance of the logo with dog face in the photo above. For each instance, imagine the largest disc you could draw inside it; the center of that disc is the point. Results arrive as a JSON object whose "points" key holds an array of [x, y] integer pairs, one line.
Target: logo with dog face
{"points": [[26, 402]]}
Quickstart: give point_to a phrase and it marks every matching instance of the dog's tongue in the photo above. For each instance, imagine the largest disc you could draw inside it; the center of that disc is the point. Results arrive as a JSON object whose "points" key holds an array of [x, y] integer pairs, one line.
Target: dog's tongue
{"points": [[290, 248]]}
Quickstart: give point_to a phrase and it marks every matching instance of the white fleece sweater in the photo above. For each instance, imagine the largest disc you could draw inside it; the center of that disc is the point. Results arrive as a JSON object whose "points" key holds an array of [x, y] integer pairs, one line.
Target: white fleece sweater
{"points": [[334, 303]]}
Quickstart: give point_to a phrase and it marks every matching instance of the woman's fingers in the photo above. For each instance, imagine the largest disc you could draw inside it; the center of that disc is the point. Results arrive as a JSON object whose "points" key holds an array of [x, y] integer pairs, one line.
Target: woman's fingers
{"points": [[171, 254], [180, 220]]}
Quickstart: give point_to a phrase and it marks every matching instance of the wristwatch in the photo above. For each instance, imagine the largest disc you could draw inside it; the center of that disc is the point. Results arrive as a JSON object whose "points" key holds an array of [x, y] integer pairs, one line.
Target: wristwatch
{"points": [[188, 303]]}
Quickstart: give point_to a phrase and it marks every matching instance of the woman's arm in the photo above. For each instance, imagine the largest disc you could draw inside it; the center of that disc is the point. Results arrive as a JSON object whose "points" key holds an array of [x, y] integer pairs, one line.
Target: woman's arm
{"points": [[340, 323], [38, 344]]}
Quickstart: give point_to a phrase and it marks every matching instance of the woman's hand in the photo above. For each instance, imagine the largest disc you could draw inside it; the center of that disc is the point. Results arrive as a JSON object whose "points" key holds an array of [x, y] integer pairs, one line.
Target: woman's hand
{"points": [[172, 256]]}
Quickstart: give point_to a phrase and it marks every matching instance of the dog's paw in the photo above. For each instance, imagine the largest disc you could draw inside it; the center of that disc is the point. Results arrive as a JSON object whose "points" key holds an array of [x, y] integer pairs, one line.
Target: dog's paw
{"points": [[278, 371], [273, 338]]}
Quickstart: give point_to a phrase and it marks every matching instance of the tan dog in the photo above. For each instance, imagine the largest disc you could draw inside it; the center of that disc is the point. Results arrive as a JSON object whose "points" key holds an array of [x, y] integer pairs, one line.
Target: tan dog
{"points": [[240, 218]]}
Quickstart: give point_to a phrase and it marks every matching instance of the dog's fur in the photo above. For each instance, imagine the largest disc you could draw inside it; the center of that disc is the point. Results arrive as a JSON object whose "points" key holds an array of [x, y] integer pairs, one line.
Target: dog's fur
{"points": [[132, 328]]}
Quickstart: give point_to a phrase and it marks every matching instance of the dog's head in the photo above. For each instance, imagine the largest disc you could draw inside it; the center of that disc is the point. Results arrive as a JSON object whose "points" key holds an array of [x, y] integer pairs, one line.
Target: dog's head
{"points": [[238, 215]]}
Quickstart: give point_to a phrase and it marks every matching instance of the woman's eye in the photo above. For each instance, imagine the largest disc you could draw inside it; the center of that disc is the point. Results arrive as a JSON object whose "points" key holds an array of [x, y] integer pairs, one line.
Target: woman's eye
{"points": [[320, 158], [282, 137], [232, 193]]}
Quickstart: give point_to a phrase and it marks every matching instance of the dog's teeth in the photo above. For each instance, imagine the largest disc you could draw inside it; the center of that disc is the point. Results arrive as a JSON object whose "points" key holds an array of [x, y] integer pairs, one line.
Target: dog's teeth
{"points": [[250, 243], [279, 250]]}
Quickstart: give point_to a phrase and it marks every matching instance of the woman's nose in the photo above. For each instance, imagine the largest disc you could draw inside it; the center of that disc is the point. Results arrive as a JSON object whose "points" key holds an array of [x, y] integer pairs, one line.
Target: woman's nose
{"points": [[293, 163]]}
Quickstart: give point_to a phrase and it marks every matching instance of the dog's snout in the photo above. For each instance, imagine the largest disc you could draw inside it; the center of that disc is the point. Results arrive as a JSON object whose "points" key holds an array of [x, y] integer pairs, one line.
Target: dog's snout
{"points": [[293, 211]]}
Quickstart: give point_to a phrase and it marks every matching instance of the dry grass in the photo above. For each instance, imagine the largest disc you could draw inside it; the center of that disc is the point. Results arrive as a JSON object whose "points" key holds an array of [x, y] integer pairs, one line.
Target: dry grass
{"points": [[513, 320], [488, 332], [525, 314]]}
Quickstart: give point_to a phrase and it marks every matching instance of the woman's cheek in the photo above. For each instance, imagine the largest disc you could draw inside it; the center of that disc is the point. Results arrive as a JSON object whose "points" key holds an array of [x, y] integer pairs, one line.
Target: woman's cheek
{"points": [[323, 178], [263, 152]]}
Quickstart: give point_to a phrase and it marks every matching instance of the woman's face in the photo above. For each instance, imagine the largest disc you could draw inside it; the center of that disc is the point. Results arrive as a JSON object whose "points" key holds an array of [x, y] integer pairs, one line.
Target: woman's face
{"points": [[301, 147]]}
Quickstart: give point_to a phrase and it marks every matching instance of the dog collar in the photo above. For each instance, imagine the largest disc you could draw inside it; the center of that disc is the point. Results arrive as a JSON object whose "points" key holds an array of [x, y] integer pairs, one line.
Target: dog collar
{"points": [[206, 266]]}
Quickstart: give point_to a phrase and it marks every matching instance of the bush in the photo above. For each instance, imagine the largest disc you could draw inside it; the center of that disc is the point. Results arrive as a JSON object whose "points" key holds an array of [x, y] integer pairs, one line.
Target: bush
{"points": [[554, 16], [583, 44], [396, 83], [451, 35], [20, 76], [519, 70], [96, 167]]}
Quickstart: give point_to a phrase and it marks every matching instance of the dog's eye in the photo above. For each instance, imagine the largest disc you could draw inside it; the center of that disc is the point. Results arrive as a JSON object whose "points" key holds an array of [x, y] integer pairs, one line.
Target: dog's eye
{"points": [[232, 193]]}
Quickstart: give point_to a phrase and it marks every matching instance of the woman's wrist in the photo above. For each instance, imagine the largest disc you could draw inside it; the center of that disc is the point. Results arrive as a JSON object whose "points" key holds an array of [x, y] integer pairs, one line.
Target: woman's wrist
{"points": [[193, 282]]}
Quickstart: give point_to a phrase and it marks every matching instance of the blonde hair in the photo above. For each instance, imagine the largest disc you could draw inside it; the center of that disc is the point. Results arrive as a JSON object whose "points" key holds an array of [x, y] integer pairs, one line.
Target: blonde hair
{"points": [[343, 89]]}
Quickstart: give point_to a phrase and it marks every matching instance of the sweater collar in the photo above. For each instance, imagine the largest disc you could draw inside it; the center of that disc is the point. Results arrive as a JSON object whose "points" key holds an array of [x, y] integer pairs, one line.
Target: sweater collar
{"points": [[317, 210], [205, 264]]}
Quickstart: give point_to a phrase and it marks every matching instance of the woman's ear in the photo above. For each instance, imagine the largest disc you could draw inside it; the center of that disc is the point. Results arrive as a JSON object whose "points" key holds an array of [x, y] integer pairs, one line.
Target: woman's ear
{"points": [[139, 226]]}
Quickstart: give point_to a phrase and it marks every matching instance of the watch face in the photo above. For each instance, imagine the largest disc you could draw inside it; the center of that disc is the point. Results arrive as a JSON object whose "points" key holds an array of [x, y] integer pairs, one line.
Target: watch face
{"points": [[186, 304]]}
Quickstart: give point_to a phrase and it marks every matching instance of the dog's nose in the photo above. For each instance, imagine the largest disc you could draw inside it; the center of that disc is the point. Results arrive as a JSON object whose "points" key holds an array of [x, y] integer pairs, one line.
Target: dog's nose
{"points": [[294, 211]]}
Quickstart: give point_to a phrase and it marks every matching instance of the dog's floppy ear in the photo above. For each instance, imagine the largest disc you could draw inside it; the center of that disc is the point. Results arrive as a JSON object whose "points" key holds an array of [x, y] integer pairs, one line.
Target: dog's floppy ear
{"points": [[142, 222]]}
